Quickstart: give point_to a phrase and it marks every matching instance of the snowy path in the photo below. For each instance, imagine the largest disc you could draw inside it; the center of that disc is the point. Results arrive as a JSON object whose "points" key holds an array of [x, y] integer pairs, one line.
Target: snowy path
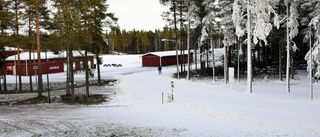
{"points": [[207, 109]]}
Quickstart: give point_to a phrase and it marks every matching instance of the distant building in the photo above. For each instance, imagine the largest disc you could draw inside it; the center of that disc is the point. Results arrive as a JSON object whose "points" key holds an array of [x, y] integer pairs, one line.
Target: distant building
{"points": [[165, 58], [56, 62]]}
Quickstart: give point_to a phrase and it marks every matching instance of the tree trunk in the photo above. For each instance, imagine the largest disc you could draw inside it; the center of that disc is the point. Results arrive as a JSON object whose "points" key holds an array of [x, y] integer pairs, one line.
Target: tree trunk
{"points": [[30, 59], [18, 46], [243, 58], [288, 53], [280, 62], [86, 53], [225, 64], [68, 72], [67, 50], [207, 51], [87, 73], [176, 34], [40, 84], [71, 71], [292, 65], [253, 62], [238, 60], [181, 39], [266, 58], [188, 46], [196, 57], [249, 54], [213, 61], [202, 62], [98, 67], [259, 49], [4, 74]]}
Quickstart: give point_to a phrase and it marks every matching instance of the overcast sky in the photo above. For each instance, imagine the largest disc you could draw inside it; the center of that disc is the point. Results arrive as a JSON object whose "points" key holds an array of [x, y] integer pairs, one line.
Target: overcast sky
{"points": [[138, 14]]}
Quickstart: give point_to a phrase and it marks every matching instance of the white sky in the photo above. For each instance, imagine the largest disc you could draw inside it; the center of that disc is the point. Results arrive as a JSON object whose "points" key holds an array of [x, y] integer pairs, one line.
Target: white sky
{"points": [[138, 14]]}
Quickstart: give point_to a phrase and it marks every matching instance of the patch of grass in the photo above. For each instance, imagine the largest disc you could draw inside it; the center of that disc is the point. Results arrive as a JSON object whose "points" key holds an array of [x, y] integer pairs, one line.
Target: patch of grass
{"points": [[30, 101], [36, 100], [83, 99], [207, 72]]}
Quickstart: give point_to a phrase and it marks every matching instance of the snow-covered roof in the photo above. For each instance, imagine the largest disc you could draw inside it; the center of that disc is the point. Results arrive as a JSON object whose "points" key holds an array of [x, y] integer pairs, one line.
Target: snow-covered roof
{"points": [[166, 53], [50, 55], [12, 49]]}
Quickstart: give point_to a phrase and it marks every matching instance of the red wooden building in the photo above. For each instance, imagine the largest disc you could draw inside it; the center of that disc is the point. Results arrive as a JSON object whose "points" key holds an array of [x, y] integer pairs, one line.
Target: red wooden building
{"points": [[165, 58], [56, 63]]}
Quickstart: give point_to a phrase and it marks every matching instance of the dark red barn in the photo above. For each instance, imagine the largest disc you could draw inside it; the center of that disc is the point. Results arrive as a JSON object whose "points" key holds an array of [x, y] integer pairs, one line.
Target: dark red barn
{"points": [[56, 63], [165, 58]]}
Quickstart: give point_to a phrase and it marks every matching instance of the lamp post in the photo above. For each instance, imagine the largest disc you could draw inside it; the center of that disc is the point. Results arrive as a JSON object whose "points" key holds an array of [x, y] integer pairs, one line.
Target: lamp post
{"points": [[310, 71], [176, 43]]}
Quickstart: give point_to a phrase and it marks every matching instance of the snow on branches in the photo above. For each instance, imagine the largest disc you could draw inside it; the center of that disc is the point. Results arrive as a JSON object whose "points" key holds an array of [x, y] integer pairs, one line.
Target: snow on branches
{"points": [[261, 15], [315, 50]]}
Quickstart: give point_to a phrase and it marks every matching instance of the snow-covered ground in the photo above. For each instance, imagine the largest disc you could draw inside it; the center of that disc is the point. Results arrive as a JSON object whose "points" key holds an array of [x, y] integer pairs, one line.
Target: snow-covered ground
{"points": [[200, 107]]}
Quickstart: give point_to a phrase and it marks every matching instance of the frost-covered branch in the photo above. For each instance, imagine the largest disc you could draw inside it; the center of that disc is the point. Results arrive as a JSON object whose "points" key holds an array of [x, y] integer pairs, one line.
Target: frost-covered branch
{"points": [[314, 51]]}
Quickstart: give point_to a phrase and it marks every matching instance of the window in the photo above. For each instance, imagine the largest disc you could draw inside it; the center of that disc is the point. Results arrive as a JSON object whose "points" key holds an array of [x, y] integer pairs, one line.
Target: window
{"points": [[54, 67]]}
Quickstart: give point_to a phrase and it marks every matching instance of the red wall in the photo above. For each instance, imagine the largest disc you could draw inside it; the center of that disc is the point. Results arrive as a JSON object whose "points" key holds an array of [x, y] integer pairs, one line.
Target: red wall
{"points": [[152, 60]]}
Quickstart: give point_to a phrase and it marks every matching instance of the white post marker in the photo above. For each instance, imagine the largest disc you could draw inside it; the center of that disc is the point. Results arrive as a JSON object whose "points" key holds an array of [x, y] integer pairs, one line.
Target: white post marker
{"points": [[172, 86], [231, 75], [162, 98]]}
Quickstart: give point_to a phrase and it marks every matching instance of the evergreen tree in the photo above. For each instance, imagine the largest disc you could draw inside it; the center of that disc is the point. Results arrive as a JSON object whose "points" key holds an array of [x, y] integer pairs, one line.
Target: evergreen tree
{"points": [[30, 17], [223, 10], [17, 6], [67, 24], [5, 23], [313, 56], [98, 18], [258, 13]]}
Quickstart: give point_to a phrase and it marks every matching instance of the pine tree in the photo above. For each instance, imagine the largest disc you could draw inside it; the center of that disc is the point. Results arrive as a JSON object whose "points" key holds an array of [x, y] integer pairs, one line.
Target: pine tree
{"points": [[97, 16], [5, 23], [258, 13], [30, 17], [67, 24], [17, 5], [313, 56], [223, 10]]}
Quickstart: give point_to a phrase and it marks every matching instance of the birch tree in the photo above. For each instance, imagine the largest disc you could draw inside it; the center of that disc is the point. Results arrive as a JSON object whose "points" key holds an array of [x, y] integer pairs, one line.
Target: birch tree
{"points": [[292, 31]]}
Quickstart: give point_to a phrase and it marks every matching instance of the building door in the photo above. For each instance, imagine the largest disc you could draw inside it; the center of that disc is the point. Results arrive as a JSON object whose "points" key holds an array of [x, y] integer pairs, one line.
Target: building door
{"points": [[14, 70], [65, 67]]}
